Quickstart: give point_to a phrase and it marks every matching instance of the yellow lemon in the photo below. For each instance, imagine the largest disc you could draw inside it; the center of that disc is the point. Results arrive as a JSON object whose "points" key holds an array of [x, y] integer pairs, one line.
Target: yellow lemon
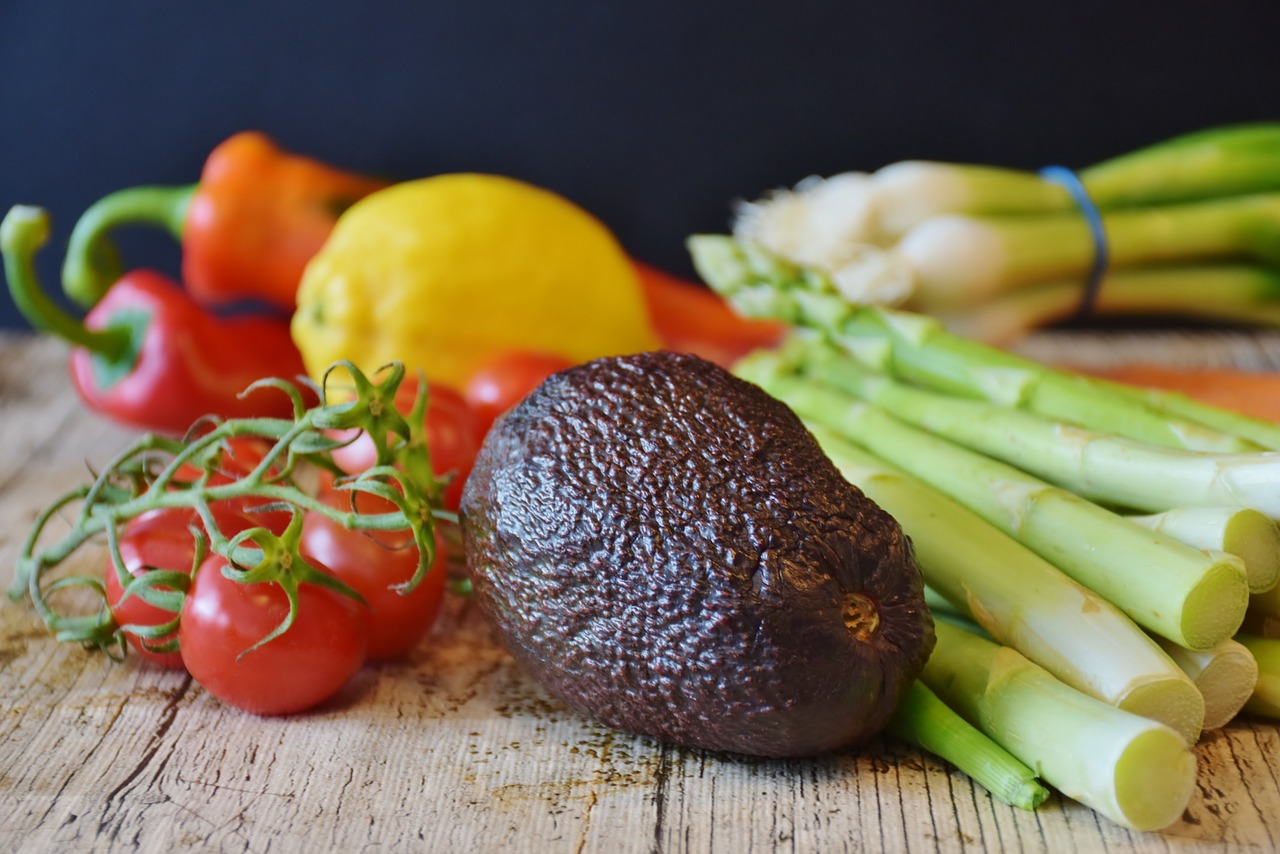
{"points": [[441, 273]]}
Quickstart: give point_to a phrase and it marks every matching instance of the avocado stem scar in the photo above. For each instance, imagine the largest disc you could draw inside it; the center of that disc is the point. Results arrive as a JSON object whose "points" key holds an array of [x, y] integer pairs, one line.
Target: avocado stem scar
{"points": [[860, 616]]}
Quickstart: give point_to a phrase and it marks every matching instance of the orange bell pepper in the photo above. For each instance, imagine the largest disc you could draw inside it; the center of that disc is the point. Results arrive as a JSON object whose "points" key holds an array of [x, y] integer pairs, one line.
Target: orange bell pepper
{"points": [[247, 229]]}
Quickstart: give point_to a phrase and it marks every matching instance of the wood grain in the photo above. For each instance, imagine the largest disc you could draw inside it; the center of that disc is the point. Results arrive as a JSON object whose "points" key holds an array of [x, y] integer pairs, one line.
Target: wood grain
{"points": [[455, 748]]}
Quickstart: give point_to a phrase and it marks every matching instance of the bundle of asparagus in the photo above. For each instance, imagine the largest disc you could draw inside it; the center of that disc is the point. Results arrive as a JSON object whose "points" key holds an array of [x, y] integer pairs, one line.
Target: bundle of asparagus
{"points": [[1189, 227], [1102, 551]]}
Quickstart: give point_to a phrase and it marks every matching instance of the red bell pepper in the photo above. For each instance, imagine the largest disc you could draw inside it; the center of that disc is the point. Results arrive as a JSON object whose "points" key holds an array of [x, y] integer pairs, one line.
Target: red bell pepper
{"points": [[147, 356], [247, 229]]}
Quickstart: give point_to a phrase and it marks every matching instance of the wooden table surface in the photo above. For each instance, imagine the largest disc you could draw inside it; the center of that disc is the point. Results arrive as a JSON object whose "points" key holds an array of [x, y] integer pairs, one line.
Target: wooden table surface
{"points": [[456, 749]]}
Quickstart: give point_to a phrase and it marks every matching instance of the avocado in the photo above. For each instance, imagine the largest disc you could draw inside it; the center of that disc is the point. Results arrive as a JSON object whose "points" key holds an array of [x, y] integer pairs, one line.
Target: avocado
{"points": [[666, 549]]}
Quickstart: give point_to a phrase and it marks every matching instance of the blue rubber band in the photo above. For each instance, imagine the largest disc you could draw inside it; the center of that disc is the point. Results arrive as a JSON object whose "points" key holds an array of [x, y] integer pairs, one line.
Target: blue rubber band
{"points": [[1067, 178]]}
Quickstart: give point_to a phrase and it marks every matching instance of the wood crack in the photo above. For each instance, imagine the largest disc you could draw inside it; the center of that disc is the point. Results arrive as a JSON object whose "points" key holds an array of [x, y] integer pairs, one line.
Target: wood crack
{"points": [[167, 718]]}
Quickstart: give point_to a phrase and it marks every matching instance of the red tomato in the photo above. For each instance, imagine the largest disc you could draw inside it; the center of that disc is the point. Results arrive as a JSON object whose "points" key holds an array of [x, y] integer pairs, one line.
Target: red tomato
{"points": [[451, 436], [505, 379], [223, 618], [370, 563], [158, 539]]}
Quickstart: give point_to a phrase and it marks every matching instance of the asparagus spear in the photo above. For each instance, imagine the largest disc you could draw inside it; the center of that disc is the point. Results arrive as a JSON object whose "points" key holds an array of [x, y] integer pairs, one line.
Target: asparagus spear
{"points": [[1135, 771], [1101, 466], [1241, 531], [925, 721], [918, 349], [1225, 675], [1023, 601], [1191, 597], [1175, 405]]}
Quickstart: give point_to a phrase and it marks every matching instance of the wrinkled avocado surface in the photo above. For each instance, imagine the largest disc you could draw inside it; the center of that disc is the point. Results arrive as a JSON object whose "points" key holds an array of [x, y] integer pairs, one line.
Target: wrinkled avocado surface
{"points": [[666, 549]]}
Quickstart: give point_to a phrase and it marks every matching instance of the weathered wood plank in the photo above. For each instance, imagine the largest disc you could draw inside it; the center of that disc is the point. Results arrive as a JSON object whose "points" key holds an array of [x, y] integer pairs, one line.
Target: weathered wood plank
{"points": [[456, 748]]}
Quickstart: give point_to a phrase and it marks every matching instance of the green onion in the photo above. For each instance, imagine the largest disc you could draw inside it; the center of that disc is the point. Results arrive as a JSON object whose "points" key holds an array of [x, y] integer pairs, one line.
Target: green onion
{"points": [[925, 721], [1222, 293], [948, 238], [961, 260], [911, 192], [1223, 161]]}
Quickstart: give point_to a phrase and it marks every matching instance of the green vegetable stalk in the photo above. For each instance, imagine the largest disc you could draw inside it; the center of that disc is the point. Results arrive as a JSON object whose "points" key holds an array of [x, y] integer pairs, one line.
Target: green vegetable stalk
{"points": [[1193, 598], [1223, 293], [1135, 771], [917, 349], [1224, 161], [1023, 601], [960, 260], [954, 240], [1226, 677], [1244, 532], [1106, 468], [925, 721]]}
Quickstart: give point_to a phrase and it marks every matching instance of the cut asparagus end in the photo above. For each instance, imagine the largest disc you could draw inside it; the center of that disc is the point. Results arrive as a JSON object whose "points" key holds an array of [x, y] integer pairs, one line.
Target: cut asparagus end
{"points": [[925, 721], [1254, 537], [1225, 675], [1175, 703], [1244, 532], [1135, 771], [1154, 780], [1209, 615]]}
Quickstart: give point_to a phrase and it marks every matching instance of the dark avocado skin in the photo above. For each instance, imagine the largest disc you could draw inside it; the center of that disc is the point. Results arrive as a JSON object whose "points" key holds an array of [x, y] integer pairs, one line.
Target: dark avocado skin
{"points": [[666, 549]]}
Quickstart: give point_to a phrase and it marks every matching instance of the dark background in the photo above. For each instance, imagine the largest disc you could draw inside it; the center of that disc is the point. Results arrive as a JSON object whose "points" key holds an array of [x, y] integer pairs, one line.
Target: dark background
{"points": [[654, 115]]}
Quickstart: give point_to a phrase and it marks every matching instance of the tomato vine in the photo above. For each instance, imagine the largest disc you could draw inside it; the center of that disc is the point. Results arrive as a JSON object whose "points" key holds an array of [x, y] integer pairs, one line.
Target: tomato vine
{"points": [[196, 472]]}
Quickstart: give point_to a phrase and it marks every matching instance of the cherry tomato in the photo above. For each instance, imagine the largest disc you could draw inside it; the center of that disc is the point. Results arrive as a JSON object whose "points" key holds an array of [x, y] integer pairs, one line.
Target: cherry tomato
{"points": [[451, 436], [371, 562], [505, 379], [158, 539], [223, 618]]}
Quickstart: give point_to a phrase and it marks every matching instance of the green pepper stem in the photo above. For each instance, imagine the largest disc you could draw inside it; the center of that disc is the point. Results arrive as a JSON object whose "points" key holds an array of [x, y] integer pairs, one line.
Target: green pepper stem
{"points": [[22, 232], [92, 263]]}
